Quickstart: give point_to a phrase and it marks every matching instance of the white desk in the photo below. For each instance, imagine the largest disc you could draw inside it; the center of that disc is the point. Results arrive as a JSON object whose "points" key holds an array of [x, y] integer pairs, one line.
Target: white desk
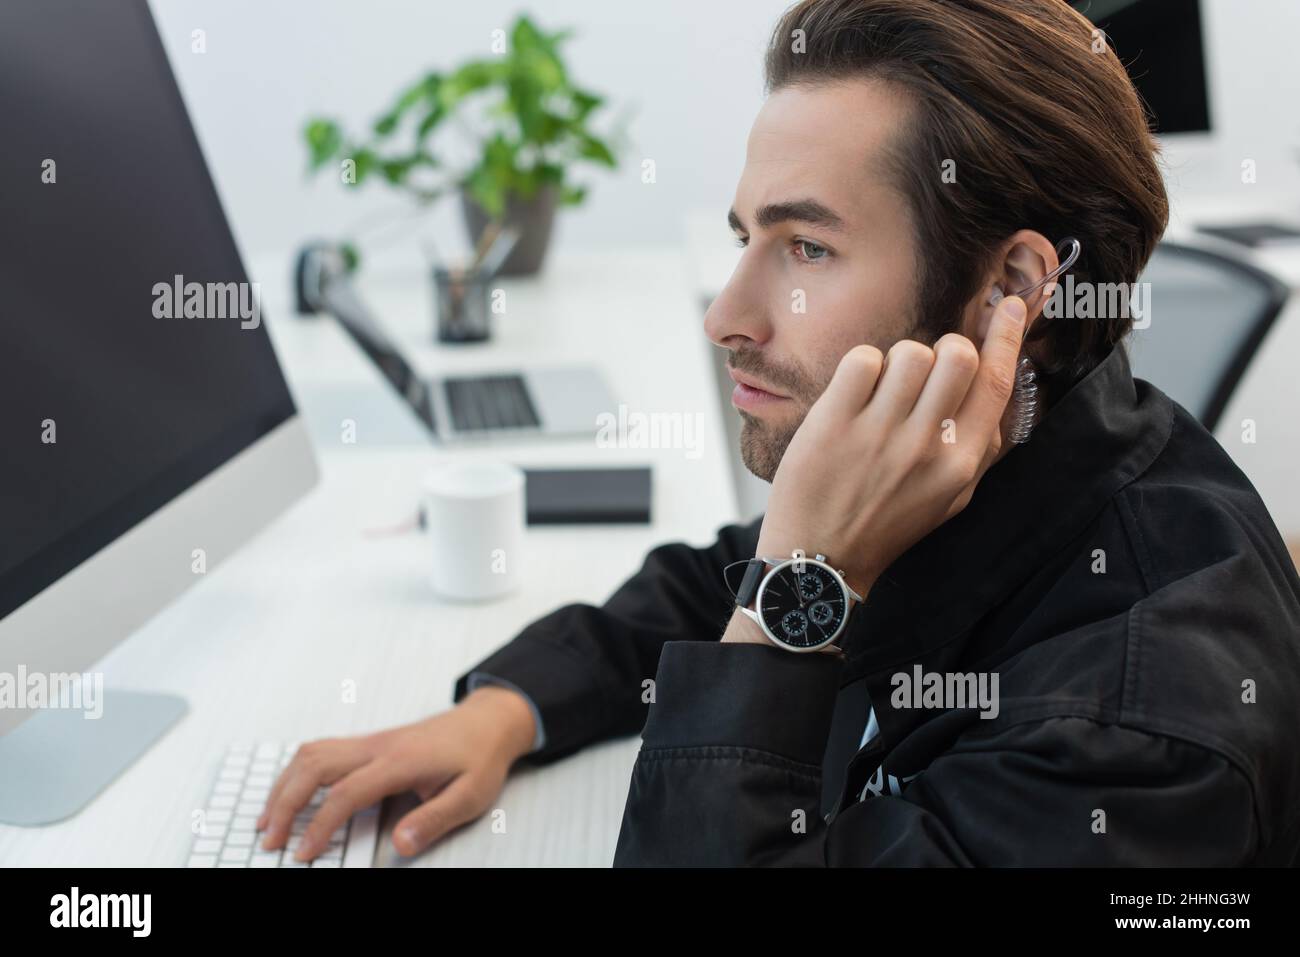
{"points": [[262, 647]]}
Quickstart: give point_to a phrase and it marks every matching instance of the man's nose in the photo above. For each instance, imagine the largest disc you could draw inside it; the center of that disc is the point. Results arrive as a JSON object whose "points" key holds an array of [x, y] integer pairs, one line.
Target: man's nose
{"points": [[740, 311]]}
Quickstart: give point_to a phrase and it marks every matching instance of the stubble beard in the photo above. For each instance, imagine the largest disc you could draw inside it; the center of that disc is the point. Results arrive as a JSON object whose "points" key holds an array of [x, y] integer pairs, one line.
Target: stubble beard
{"points": [[762, 445]]}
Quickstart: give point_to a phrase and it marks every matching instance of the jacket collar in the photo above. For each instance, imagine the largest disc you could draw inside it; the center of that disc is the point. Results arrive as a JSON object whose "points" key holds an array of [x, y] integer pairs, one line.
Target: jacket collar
{"points": [[1104, 432]]}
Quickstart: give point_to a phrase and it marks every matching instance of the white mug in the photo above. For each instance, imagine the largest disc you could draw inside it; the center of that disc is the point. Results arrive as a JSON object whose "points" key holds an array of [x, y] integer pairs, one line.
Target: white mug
{"points": [[474, 524]]}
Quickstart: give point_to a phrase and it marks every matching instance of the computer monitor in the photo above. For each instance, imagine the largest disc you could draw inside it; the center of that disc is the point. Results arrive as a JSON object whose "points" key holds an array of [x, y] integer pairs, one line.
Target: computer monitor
{"points": [[1161, 44], [146, 427]]}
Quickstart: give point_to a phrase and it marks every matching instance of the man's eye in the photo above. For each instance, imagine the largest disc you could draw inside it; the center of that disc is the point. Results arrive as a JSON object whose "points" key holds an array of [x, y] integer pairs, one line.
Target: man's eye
{"points": [[811, 251], [742, 241]]}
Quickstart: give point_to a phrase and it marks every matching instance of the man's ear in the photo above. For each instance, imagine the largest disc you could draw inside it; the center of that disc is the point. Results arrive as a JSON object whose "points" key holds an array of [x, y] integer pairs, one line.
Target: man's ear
{"points": [[1024, 259]]}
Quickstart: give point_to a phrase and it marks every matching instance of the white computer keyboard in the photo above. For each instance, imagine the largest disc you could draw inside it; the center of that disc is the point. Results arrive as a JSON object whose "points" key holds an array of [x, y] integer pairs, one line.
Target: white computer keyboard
{"points": [[225, 831]]}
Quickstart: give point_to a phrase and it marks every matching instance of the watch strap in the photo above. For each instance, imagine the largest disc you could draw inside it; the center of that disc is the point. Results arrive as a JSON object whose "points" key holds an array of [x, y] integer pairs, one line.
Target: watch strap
{"points": [[748, 590]]}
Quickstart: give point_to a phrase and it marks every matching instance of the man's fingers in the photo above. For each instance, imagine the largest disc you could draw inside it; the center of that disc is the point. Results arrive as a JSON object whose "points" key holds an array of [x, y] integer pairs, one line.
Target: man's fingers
{"points": [[456, 804], [981, 411], [854, 381], [315, 765], [907, 367], [956, 361], [360, 789]]}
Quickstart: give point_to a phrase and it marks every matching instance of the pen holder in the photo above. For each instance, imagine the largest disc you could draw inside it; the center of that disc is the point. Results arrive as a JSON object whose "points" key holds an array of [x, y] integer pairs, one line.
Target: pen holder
{"points": [[461, 304]]}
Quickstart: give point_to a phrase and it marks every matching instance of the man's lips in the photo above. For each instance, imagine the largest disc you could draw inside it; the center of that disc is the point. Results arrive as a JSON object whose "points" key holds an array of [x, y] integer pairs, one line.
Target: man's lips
{"points": [[750, 393]]}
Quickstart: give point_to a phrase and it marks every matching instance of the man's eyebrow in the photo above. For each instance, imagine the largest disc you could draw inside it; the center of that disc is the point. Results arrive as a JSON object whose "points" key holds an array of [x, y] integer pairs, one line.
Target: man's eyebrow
{"points": [[799, 211]]}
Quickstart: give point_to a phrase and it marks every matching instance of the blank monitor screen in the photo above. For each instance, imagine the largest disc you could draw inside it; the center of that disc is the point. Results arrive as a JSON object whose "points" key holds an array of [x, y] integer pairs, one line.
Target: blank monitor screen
{"points": [[1160, 43], [108, 411]]}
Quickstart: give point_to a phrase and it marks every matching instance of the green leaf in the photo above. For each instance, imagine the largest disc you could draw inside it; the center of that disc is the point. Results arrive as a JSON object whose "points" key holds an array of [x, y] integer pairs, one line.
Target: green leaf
{"points": [[324, 139], [425, 89], [525, 37], [572, 195], [589, 147], [470, 78], [365, 161], [395, 170], [430, 122], [351, 256], [486, 189], [584, 103]]}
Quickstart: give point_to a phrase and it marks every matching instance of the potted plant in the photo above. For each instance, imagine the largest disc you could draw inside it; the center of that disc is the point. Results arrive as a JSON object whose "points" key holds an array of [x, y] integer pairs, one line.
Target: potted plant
{"points": [[531, 125]]}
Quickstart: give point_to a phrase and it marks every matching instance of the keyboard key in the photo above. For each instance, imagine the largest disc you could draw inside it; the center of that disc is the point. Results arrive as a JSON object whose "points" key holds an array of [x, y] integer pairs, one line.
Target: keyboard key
{"points": [[229, 836]]}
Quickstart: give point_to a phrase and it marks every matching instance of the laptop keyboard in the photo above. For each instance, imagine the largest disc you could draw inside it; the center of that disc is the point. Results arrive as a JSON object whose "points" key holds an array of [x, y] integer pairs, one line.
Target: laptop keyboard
{"points": [[485, 403]]}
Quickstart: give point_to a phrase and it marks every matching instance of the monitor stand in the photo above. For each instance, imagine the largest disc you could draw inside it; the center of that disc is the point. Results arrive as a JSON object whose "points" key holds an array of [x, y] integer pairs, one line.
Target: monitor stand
{"points": [[58, 760]]}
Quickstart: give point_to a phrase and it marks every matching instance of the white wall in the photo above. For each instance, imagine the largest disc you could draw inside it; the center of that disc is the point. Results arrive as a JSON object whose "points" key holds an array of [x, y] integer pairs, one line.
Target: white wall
{"points": [[691, 69]]}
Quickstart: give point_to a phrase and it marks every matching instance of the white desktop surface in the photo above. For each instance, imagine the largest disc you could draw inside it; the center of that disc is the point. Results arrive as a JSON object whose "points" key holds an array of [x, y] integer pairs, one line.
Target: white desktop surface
{"points": [[263, 647]]}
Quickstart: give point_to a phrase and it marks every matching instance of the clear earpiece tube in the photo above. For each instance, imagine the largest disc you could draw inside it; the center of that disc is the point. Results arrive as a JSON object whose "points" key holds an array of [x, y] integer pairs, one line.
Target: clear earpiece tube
{"points": [[1024, 400], [1075, 248]]}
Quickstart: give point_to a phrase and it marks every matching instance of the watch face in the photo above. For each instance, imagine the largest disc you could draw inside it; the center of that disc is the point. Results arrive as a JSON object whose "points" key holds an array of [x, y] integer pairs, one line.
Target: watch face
{"points": [[805, 609]]}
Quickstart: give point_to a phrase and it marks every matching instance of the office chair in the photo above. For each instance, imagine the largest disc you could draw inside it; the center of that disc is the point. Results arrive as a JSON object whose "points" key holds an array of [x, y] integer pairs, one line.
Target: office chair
{"points": [[1209, 314]]}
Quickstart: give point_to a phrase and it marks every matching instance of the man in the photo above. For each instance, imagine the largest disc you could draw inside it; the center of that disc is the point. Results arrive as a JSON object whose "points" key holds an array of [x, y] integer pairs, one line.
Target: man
{"points": [[1078, 650]]}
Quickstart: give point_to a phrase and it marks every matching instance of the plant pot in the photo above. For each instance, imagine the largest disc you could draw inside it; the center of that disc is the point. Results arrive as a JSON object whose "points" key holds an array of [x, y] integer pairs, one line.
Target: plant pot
{"points": [[534, 216]]}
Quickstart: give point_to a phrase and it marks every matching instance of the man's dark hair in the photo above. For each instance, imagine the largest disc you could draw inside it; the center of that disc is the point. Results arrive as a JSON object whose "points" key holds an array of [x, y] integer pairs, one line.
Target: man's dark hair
{"points": [[1045, 129]]}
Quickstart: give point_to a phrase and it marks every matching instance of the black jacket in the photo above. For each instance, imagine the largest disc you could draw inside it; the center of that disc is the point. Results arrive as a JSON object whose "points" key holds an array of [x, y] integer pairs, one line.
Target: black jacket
{"points": [[1118, 574]]}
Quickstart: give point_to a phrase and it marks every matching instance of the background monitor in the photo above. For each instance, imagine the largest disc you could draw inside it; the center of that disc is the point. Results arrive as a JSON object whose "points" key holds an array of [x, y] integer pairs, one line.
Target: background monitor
{"points": [[130, 440], [1160, 43]]}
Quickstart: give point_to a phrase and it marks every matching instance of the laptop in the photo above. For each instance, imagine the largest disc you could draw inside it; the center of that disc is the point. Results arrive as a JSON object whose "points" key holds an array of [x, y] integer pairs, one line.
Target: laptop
{"points": [[560, 401]]}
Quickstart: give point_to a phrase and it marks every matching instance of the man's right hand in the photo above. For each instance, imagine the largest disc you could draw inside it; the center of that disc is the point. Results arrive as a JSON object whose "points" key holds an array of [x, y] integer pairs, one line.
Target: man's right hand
{"points": [[456, 761]]}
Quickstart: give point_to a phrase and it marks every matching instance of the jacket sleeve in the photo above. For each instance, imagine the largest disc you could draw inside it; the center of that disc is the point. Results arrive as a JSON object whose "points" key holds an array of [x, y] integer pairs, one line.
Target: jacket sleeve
{"points": [[730, 774], [589, 671]]}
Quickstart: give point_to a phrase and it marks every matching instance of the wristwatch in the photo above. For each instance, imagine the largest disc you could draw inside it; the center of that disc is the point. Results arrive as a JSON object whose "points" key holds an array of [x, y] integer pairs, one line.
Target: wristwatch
{"points": [[802, 604]]}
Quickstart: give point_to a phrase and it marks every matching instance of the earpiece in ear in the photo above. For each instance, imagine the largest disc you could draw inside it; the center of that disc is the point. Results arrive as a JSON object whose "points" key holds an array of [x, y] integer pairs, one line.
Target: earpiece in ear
{"points": [[996, 297]]}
